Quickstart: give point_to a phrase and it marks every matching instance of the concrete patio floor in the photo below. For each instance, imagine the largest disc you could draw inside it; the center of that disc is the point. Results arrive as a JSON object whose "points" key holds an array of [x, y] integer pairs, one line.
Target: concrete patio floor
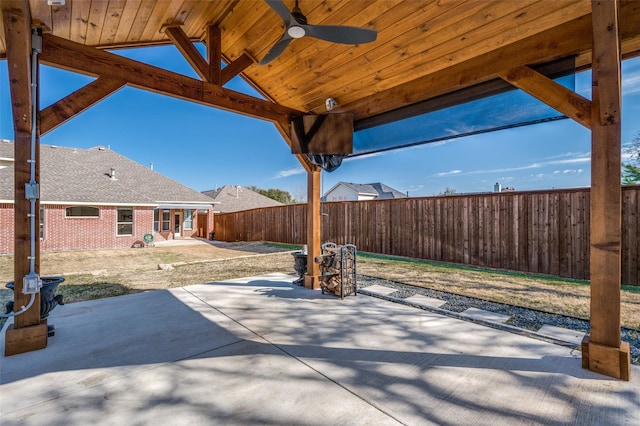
{"points": [[260, 350]]}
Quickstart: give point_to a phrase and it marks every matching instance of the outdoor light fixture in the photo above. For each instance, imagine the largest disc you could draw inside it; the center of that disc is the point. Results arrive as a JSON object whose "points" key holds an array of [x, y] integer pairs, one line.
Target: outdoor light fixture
{"points": [[330, 104], [55, 2], [296, 32]]}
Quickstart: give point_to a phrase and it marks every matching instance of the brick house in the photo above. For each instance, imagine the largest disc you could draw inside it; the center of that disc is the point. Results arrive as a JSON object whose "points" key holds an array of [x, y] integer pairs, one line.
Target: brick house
{"points": [[96, 199]]}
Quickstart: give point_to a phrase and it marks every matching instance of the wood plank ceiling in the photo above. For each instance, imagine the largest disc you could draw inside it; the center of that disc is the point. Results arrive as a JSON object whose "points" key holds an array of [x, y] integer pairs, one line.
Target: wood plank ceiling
{"points": [[423, 49]]}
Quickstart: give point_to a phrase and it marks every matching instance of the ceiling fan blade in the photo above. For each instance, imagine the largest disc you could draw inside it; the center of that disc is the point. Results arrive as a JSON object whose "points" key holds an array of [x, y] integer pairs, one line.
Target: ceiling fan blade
{"points": [[277, 49], [282, 11], [341, 34]]}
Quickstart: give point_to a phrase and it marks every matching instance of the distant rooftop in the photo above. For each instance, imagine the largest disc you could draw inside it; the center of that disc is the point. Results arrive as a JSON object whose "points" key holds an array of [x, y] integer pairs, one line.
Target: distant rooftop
{"points": [[233, 198], [377, 190], [96, 175]]}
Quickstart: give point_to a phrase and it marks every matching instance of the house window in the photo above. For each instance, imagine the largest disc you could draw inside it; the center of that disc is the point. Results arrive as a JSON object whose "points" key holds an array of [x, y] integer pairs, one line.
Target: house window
{"points": [[82, 211], [188, 219], [125, 221], [41, 222], [166, 220], [156, 220]]}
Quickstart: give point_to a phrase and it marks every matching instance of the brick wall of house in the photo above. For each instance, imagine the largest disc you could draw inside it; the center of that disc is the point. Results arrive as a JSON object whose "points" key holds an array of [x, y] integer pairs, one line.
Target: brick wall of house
{"points": [[6, 228], [85, 233], [63, 233]]}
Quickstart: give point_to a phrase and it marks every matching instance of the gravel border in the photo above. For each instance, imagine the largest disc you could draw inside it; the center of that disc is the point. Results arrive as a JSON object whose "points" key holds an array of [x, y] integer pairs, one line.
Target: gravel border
{"points": [[522, 318]]}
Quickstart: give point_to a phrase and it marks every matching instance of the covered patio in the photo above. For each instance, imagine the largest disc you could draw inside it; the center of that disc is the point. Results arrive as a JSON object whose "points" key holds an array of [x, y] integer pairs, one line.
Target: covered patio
{"points": [[426, 55], [263, 351]]}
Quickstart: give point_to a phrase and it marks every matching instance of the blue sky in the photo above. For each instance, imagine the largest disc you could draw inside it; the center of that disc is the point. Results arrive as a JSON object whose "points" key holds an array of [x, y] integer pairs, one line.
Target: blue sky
{"points": [[205, 148]]}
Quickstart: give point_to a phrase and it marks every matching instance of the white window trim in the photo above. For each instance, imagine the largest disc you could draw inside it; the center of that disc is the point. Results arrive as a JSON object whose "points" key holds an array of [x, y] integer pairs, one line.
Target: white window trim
{"points": [[66, 216], [119, 223]]}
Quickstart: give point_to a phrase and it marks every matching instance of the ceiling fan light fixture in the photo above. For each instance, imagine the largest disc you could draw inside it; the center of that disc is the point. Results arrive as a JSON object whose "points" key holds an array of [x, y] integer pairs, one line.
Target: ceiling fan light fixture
{"points": [[296, 31], [296, 26]]}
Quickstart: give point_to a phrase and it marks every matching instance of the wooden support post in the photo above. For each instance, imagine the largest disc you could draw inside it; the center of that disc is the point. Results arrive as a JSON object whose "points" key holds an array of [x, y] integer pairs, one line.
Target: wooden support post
{"points": [[602, 350], [312, 278], [27, 333]]}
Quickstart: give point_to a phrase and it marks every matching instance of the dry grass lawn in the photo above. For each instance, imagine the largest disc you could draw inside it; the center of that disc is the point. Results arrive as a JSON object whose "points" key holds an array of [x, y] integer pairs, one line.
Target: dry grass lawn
{"points": [[105, 273]]}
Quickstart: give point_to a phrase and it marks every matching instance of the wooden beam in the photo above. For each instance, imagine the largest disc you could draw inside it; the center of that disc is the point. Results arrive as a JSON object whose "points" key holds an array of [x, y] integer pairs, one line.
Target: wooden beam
{"points": [[568, 39], [604, 352], [189, 51], [76, 57], [27, 333], [314, 220], [214, 53], [236, 67], [551, 93], [78, 101]]}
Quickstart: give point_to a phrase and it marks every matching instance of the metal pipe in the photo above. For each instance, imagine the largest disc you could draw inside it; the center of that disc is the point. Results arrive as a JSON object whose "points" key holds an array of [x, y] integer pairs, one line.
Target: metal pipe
{"points": [[36, 48], [22, 310]]}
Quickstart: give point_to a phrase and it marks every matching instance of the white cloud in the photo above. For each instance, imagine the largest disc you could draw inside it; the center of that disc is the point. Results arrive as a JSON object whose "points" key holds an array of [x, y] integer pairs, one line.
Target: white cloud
{"points": [[576, 159], [569, 161], [289, 172], [631, 84], [452, 172]]}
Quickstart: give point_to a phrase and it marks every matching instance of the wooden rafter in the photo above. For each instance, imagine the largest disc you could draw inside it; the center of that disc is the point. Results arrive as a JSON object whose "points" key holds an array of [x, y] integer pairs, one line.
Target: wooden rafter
{"points": [[551, 93], [70, 106], [189, 51], [209, 70], [236, 67], [75, 57]]}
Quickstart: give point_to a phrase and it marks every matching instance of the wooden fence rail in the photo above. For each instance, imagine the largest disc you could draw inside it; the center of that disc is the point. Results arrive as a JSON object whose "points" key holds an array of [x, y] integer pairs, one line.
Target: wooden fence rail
{"points": [[542, 232]]}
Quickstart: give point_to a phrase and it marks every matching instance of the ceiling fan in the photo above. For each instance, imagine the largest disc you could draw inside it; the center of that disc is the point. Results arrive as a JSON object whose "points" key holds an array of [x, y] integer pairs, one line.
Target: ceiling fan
{"points": [[297, 27]]}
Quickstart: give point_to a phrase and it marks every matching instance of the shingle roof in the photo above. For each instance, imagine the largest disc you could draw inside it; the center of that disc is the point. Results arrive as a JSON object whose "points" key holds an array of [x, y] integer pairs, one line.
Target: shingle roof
{"points": [[234, 198], [70, 175], [379, 189]]}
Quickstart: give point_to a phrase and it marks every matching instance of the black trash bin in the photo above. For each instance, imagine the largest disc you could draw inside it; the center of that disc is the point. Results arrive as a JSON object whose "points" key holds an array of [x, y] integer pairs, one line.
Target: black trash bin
{"points": [[212, 235]]}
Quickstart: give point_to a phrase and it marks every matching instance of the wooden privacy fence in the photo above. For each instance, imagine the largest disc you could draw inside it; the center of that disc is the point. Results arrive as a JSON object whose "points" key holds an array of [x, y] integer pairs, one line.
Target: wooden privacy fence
{"points": [[542, 232]]}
